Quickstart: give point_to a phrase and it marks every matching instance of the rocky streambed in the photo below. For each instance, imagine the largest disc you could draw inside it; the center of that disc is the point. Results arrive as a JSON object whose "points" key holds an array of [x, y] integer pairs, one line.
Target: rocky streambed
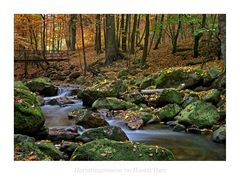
{"points": [[101, 122]]}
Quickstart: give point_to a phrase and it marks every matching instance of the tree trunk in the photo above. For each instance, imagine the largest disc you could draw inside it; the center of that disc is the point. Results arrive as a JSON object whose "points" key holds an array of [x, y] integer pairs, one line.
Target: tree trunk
{"points": [[198, 37], [83, 47], [53, 32], [133, 34], [122, 31], [112, 52], [160, 32], [129, 32], [98, 34], [72, 31], [117, 32], [175, 36], [222, 36], [44, 34], [145, 48], [154, 33], [124, 37], [138, 29]]}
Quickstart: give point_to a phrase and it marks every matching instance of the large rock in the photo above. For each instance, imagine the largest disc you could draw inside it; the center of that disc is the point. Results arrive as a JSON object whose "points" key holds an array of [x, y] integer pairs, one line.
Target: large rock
{"points": [[199, 113], [59, 134], [146, 82], [89, 96], [212, 96], [219, 135], [101, 89], [25, 149], [43, 86], [49, 149], [89, 119], [109, 132], [105, 149], [220, 83], [170, 96], [168, 112], [179, 78], [28, 117], [133, 97], [112, 103], [74, 75]]}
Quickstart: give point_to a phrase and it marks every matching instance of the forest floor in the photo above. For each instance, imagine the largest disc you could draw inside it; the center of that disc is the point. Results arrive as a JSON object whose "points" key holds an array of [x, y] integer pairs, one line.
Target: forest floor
{"points": [[161, 58]]}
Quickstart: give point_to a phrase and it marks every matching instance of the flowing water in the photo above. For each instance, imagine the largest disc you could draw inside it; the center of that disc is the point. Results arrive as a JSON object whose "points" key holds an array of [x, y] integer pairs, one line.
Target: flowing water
{"points": [[185, 146]]}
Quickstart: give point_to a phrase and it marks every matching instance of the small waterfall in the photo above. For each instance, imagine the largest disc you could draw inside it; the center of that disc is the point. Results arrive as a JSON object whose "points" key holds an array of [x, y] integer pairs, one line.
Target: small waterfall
{"points": [[63, 91]]}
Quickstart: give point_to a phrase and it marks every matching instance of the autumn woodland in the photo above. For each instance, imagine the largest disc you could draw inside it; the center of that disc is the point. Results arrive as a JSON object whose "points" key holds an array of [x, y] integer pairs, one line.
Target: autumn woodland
{"points": [[119, 87]]}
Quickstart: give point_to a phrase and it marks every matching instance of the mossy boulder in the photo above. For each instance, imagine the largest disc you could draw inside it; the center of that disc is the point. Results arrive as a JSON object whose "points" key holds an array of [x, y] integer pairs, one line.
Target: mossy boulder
{"points": [[109, 132], [134, 97], [28, 117], [68, 147], [212, 96], [146, 82], [219, 135], [112, 103], [211, 74], [49, 149], [169, 96], [199, 113], [179, 78], [117, 88], [188, 99], [89, 119], [89, 96], [168, 112], [104, 149], [43, 86], [25, 149]]}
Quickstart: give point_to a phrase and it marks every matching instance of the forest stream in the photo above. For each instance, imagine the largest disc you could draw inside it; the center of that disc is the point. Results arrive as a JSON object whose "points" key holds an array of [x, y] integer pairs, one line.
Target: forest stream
{"points": [[185, 146]]}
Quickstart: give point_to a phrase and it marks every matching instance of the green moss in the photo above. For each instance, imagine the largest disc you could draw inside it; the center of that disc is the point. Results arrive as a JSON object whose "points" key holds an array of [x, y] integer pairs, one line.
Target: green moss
{"points": [[112, 103], [49, 149], [213, 96], [28, 117], [25, 146], [170, 96], [19, 84], [146, 82], [168, 112], [109, 132], [43, 80], [105, 149], [175, 78], [200, 113]]}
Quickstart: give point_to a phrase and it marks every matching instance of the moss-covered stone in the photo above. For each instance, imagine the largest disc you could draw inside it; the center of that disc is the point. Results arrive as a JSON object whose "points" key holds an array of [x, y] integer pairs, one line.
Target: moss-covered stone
{"points": [[28, 117], [170, 96], [189, 99], [168, 112], [49, 149], [134, 97], [199, 113], [112, 103], [146, 82], [25, 149], [118, 87], [105, 149], [109, 132], [213, 96], [177, 78], [89, 119], [89, 96], [211, 74], [219, 135], [43, 86]]}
